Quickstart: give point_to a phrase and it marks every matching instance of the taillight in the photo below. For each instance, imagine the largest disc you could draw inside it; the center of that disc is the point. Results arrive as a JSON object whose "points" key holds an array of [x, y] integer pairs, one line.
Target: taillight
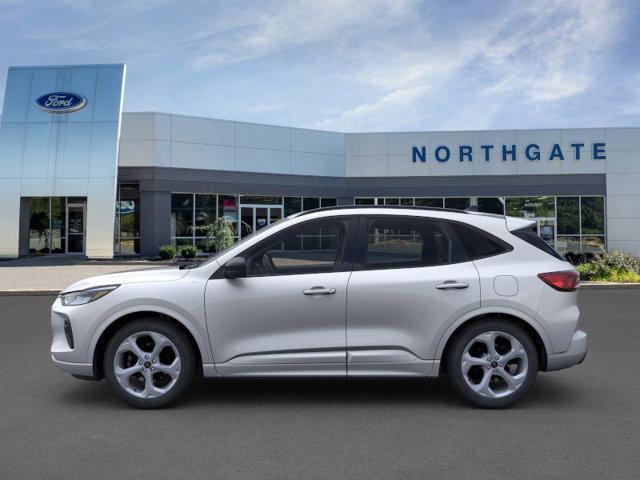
{"points": [[566, 281]]}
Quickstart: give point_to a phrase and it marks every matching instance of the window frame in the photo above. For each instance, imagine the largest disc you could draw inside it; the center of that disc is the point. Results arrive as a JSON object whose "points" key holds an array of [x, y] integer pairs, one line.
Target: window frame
{"points": [[362, 242], [344, 262]]}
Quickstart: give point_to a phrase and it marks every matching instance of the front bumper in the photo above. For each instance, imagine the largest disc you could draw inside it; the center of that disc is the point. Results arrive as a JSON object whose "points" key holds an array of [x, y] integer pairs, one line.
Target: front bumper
{"points": [[573, 356], [77, 369]]}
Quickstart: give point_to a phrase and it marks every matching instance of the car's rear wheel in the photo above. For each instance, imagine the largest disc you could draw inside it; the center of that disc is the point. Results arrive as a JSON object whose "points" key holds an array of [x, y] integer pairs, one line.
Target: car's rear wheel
{"points": [[149, 363], [492, 363]]}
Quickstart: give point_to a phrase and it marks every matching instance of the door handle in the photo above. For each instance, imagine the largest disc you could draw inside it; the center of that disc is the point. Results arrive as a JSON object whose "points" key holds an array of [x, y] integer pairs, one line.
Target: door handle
{"points": [[452, 285], [319, 291]]}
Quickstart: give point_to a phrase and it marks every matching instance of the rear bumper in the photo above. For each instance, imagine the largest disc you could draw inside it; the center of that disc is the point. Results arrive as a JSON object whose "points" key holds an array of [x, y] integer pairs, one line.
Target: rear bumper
{"points": [[573, 356]]}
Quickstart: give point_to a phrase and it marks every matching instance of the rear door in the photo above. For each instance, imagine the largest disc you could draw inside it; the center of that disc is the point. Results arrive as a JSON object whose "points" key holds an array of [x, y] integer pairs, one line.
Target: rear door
{"points": [[406, 288]]}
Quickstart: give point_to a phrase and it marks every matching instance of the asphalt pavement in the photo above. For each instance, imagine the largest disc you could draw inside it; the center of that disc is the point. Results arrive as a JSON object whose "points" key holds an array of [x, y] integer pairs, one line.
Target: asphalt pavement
{"points": [[581, 423]]}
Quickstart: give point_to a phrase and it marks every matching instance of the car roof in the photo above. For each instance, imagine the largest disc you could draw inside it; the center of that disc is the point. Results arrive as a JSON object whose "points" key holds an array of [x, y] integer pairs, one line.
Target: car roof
{"points": [[382, 207]]}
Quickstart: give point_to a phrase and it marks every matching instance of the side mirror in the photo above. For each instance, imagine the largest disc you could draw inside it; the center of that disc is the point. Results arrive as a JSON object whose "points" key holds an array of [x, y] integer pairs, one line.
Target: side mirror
{"points": [[235, 268]]}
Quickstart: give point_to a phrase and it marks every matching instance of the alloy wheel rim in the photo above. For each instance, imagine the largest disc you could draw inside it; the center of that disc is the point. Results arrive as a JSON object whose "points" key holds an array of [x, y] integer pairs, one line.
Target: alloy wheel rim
{"points": [[494, 364], [147, 364]]}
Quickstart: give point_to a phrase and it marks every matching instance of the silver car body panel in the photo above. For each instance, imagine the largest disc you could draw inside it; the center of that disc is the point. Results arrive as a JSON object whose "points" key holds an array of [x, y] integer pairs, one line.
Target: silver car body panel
{"points": [[378, 323]]}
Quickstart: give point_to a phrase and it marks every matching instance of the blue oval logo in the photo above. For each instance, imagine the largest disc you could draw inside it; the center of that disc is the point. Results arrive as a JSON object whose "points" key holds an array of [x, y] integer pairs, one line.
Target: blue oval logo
{"points": [[61, 102]]}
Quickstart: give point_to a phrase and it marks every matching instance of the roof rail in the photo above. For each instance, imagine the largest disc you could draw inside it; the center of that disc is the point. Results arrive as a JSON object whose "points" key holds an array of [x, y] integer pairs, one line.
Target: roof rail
{"points": [[398, 207]]}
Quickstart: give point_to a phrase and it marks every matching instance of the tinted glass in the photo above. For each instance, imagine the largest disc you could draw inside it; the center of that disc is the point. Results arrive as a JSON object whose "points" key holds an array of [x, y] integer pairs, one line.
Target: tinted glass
{"points": [[568, 216], [457, 203], [406, 242], [592, 215], [529, 235], [315, 247], [491, 205], [475, 243], [181, 214], [309, 203], [429, 202], [292, 205]]}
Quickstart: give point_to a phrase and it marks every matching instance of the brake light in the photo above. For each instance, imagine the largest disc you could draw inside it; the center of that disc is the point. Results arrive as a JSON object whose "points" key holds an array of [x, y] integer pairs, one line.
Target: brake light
{"points": [[566, 281]]}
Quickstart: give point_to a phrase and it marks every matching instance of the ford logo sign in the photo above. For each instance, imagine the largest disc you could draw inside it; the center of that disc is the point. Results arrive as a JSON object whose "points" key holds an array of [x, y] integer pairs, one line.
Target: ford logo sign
{"points": [[61, 102]]}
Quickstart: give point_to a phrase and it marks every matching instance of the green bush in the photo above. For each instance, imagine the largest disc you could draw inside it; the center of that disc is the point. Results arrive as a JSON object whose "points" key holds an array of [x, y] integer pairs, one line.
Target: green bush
{"points": [[167, 252], [189, 251], [613, 266]]}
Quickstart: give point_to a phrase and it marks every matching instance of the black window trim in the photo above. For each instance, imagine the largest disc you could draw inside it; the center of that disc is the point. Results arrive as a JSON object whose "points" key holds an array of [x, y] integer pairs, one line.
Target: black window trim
{"points": [[361, 243], [343, 264], [360, 258], [507, 247]]}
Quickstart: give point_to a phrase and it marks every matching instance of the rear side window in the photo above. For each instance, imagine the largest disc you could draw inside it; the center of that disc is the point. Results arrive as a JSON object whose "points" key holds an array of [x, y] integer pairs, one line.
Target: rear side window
{"points": [[529, 235], [404, 242], [474, 243]]}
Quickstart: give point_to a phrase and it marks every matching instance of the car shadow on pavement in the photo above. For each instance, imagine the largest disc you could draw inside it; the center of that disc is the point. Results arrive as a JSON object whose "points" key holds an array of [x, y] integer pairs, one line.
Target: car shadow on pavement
{"points": [[432, 393]]}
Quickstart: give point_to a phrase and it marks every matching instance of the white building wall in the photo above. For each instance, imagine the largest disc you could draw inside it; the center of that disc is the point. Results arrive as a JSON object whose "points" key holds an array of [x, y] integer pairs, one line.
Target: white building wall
{"points": [[623, 189], [164, 140]]}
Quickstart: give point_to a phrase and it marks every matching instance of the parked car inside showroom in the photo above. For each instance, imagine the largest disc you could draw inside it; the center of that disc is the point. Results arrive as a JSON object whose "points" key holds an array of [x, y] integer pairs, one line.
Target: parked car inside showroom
{"points": [[336, 292]]}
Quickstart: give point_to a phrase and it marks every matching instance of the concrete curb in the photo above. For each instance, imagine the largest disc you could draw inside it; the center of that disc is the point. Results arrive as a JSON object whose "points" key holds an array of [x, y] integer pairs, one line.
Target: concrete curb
{"points": [[598, 285]]}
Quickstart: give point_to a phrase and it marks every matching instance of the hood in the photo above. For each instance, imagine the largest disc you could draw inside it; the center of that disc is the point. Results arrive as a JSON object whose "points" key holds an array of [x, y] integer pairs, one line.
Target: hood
{"points": [[130, 276]]}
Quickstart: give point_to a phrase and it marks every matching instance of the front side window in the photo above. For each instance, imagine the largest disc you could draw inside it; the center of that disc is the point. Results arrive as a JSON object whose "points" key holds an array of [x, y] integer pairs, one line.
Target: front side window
{"points": [[405, 242], [313, 247]]}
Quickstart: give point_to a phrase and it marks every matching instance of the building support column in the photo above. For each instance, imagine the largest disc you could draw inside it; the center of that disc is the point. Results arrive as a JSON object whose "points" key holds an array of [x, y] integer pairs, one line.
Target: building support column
{"points": [[155, 221]]}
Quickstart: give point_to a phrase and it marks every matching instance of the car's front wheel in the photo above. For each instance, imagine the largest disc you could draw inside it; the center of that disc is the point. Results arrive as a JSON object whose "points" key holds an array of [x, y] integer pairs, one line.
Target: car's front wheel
{"points": [[492, 363], [149, 363]]}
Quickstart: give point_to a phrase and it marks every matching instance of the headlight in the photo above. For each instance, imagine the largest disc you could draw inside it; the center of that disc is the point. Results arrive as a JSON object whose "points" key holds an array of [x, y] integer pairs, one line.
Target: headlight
{"points": [[85, 296]]}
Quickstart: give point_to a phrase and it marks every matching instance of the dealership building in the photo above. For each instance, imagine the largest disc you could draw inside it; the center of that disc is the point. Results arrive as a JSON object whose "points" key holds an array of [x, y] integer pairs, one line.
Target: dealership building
{"points": [[80, 176]]}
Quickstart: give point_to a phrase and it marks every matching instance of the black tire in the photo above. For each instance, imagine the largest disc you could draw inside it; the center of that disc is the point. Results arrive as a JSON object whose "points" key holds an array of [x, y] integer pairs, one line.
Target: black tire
{"points": [[188, 362], [456, 351]]}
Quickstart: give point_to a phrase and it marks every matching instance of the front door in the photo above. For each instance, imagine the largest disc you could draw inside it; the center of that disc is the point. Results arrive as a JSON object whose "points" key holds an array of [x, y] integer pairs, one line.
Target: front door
{"points": [[75, 227], [287, 316]]}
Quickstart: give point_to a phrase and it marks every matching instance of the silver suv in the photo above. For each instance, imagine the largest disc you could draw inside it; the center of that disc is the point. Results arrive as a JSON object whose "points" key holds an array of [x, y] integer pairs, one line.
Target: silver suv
{"points": [[337, 292]]}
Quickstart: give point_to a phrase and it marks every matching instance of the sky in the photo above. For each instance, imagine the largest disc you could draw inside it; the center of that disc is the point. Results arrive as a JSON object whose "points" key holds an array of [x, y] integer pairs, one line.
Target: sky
{"points": [[349, 65]]}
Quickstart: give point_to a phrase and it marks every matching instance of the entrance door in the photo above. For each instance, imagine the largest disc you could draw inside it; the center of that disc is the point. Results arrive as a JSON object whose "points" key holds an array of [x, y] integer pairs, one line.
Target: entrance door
{"points": [[75, 227], [255, 217]]}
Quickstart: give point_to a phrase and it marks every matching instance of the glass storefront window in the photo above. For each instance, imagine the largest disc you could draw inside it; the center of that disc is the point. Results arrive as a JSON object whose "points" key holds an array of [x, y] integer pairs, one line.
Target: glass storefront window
{"points": [[429, 202], [457, 203], [292, 205], [593, 244], [309, 203], [259, 200], [127, 226], [592, 214], [568, 244], [491, 205], [181, 214], [39, 225], [228, 207], [205, 210], [568, 216], [48, 229], [531, 207]]}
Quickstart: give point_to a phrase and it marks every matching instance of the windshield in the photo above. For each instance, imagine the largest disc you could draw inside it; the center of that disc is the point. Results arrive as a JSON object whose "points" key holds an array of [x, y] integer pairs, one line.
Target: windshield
{"points": [[217, 255]]}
